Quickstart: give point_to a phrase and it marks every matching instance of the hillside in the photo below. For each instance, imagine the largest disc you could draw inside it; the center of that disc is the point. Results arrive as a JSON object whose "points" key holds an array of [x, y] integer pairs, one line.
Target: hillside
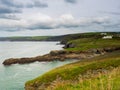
{"points": [[85, 44], [100, 72], [67, 77], [63, 38]]}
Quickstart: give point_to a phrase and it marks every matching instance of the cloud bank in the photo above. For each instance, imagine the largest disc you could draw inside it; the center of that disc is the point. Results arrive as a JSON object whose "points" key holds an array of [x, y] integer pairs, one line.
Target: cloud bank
{"points": [[16, 6], [58, 16], [66, 21]]}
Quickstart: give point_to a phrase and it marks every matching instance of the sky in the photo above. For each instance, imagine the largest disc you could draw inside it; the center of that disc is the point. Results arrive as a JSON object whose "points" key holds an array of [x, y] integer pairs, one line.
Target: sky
{"points": [[58, 17]]}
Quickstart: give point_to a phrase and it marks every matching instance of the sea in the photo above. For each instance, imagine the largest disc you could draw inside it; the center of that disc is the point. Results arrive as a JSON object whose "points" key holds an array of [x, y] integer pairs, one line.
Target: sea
{"points": [[13, 77]]}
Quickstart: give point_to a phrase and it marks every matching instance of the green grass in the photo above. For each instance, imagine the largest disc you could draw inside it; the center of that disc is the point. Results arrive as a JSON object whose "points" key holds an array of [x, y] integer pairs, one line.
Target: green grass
{"points": [[85, 44], [108, 81], [72, 71]]}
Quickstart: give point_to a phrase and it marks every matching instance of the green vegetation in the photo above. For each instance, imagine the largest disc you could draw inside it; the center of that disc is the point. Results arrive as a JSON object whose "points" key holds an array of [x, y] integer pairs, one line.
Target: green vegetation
{"points": [[85, 44], [101, 81], [63, 38], [96, 35], [104, 70], [89, 41], [22, 38], [71, 72]]}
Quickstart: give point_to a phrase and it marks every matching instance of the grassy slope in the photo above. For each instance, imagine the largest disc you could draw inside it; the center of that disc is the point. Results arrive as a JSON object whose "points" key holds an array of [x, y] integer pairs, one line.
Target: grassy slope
{"points": [[101, 81], [93, 43], [72, 71]]}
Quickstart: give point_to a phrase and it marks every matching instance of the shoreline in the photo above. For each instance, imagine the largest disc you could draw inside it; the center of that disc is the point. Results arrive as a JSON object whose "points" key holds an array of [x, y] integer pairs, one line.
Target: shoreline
{"points": [[60, 55], [72, 72]]}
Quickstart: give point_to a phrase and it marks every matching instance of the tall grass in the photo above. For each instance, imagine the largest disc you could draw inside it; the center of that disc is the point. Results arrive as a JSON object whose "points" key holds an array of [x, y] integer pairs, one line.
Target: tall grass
{"points": [[101, 80], [82, 75]]}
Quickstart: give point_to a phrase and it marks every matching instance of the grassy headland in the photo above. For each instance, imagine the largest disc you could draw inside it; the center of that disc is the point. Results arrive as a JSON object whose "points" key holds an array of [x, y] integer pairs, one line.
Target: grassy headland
{"points": [[85, 44], [85, 74], [71, 74]]}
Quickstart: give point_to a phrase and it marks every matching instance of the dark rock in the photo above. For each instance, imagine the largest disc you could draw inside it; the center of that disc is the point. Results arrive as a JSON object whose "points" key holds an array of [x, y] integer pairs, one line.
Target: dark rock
{"points": [[110, 49], [57, 52], [63, 42], [69, 45], [10, 61], [95, 51]]}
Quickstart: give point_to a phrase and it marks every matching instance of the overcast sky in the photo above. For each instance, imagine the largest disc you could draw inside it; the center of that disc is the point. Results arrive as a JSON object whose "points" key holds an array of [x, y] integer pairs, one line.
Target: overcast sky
{"points": [[58, 17]]}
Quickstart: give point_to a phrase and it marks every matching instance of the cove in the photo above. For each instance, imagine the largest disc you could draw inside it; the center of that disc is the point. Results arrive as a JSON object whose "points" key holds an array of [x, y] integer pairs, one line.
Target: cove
{"points": [[14, 77]]}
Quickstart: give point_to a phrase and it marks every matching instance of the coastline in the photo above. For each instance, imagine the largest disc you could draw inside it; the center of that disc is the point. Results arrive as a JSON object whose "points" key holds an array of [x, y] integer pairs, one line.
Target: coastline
{"points": [[69, 75], [83, 48], [60, 55], [76, 46]]}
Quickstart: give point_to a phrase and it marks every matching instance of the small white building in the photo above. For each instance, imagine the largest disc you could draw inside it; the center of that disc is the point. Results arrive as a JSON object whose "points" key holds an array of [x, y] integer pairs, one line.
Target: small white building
{"points": [[103, 33], [107, 37]]}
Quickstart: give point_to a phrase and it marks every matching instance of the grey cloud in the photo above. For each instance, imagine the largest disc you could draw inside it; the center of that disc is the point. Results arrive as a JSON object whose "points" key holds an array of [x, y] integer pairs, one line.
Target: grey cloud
{"points": [[73, 24], [4, 10], [112, 13], [9, 16], [39, 26], [15, 4], [112, 25], [39, 4], [11, 3], [96, 22], [10, 29], [71, 1], [99, 23], [54, 25], [11, 7]]}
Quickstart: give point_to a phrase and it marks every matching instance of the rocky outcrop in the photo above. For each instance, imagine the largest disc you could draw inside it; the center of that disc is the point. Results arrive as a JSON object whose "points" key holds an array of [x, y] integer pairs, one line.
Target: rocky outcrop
{"points": [[56, 52], [60, 55], [69, 45], [52, 56]]}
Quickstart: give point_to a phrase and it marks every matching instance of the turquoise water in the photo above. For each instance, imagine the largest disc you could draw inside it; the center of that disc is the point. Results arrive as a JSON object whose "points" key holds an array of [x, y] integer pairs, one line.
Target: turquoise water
{"points": [[14, 77]]}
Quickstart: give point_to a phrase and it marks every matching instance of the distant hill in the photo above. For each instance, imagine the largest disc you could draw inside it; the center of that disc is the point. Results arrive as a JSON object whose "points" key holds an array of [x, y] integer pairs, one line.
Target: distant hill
{"points": [[62, 38], [65, 38], [25, 38]]}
